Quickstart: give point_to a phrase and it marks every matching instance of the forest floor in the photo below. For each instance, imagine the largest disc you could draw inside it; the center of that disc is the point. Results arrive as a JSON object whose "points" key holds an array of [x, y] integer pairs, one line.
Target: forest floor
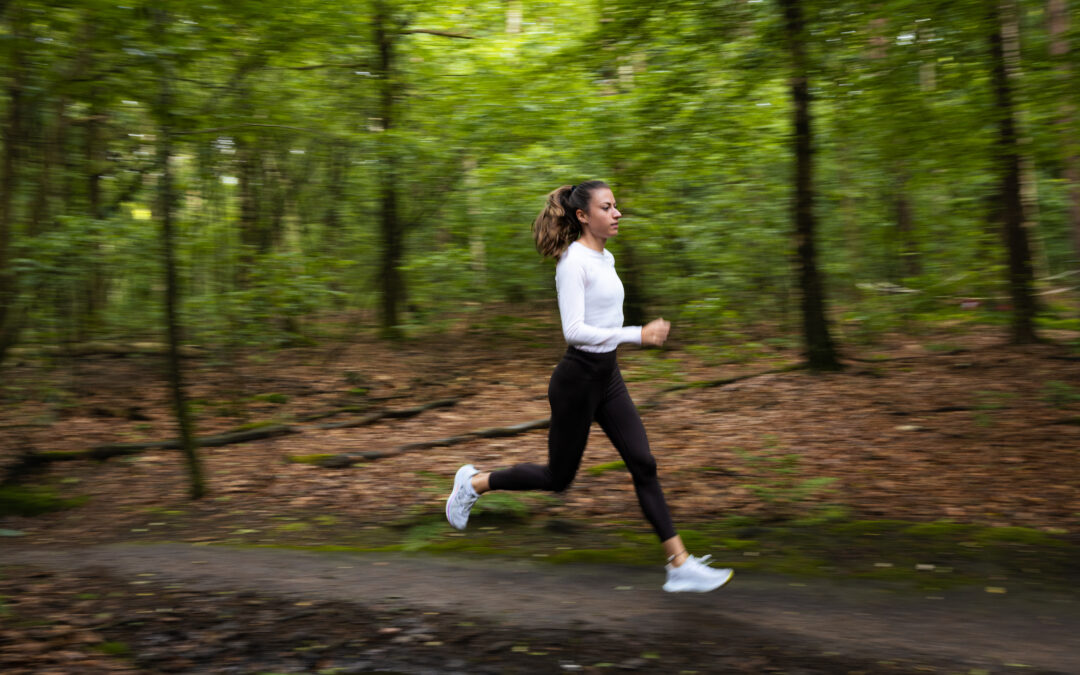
{"points": [[938, 473]]}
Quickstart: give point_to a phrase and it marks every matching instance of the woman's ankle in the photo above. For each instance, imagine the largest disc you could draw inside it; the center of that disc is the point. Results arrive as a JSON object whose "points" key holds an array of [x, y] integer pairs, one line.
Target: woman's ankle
{"points": [[677, 559], [480, 482], [675, 550]]}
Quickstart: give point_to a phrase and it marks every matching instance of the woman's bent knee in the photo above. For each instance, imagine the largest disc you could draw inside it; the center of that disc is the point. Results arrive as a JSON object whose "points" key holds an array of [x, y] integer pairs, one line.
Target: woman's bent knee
{"points": [[560, 483], [645, 471]]}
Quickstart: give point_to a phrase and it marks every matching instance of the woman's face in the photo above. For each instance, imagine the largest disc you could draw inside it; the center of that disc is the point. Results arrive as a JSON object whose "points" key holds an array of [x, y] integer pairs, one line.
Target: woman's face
{"points": [[602, 220]]}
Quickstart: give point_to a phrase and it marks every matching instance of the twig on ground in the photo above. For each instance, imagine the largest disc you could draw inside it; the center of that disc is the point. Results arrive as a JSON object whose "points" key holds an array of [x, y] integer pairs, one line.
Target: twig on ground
{"points": [[385, 414]]}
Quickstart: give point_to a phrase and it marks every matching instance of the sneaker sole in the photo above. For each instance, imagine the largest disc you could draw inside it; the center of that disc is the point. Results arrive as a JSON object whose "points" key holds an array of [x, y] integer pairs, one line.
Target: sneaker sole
{"points": [[458, 484], [730, 574]]}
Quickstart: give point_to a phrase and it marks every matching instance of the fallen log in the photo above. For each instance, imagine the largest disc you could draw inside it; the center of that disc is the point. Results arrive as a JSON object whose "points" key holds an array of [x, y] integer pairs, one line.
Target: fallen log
{"points": [[720, 382], [109, 450], [347, 459], [362, 406], [105, 349], [401, 413], [30, 460]]}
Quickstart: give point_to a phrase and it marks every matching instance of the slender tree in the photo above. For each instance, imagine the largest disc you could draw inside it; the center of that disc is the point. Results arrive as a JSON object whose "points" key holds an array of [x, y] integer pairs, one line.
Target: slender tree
{"points": [[388, 30], [391, 283], [165, 205], [820, 350], [1058, 13], [13, 138], [1010, 207]]}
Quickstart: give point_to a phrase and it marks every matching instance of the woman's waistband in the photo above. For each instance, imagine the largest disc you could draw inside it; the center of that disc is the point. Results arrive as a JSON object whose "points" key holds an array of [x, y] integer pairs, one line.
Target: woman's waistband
{"points": [[596, 357]]}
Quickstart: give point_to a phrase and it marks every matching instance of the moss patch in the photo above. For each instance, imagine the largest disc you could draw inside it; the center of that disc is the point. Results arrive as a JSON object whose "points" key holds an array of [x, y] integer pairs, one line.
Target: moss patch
{"points": [[113, 648], [293, 527], [61, 455], [318, 458], [617, 465], [924, 556], [256, 425], [18, 500]]}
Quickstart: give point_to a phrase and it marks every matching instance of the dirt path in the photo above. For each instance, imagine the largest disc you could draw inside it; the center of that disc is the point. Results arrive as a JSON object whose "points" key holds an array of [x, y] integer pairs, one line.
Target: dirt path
{"points": [[965, 631]]}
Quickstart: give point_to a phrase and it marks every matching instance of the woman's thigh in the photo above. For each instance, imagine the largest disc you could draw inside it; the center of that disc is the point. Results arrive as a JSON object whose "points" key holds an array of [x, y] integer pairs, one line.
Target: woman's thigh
{"points": [[618, 417], [573, 395]]}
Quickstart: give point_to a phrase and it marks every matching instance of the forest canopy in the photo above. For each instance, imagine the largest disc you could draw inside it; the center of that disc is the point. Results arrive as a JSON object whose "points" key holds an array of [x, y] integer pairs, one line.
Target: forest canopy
{"points": [[385, 159]]}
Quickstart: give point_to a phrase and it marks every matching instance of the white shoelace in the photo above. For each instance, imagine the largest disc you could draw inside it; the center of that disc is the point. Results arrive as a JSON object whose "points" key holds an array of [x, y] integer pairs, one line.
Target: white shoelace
{"points": [[467, 497]]}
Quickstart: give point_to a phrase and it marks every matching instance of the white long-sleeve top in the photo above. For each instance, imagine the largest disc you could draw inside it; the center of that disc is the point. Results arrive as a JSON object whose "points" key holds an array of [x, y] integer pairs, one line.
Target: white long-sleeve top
{"points": [[591, 299]]}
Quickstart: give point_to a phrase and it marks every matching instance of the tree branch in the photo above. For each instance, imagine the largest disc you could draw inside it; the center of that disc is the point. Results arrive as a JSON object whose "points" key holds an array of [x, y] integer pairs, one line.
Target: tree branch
{"points": [[441, 33], [317, 66], [231, 127]]}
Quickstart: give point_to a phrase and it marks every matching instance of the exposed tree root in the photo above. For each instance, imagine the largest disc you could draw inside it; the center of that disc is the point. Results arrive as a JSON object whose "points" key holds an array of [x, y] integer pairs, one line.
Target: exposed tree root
{"points": [[345, 460], [30, 460], [721, 382], [371, 418], [104, 348], [106, 451], [348, 459]]}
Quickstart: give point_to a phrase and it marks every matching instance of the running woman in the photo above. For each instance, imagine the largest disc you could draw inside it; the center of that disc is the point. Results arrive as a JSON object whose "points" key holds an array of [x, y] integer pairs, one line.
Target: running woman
{"points": [[586, 385]]}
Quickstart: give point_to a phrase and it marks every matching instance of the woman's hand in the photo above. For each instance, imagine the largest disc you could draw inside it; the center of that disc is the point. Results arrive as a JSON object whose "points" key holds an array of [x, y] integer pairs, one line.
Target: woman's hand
{"points": [[655, 332]]}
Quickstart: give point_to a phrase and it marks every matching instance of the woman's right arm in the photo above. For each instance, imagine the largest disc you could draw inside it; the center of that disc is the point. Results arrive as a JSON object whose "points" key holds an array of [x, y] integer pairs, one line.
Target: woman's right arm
{"points": [[570, 283]]}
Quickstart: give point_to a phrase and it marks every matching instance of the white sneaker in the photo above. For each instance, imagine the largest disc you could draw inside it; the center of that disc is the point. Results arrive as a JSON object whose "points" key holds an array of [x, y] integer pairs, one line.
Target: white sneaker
{"points": [[695, 576], [462, 498]]}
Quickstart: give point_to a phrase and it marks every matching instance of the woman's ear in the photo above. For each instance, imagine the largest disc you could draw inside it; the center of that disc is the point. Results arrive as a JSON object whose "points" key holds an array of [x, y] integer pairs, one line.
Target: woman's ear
{"points": [[582, 218]]}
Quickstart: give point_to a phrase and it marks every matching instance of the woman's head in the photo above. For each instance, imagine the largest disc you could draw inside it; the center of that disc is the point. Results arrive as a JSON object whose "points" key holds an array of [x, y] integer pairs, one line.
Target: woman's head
{"points": [[567, 210]]}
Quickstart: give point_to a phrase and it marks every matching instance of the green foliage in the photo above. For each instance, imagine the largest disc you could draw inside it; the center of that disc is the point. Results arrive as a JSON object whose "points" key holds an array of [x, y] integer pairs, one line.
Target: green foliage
{"points": [[420, 536], [778, 481], [284, 164], [499, 505], [114, 648], [988, 401], [293, 527], [650, 365], [598, 469], [16, 500], [1060, 394]]}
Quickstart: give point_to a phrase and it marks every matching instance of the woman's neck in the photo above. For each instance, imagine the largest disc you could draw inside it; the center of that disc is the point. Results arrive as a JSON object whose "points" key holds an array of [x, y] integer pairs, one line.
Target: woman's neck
{"points": [[589, 241]]}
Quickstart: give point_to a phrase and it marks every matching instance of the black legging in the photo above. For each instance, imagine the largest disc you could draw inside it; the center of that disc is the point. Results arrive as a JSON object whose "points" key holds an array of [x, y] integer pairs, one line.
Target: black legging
{"points": [[587, 386]]}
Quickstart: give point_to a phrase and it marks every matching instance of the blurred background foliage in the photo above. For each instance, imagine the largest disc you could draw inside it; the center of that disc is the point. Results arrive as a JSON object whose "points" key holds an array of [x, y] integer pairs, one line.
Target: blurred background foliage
{"points": [[384, 159]]}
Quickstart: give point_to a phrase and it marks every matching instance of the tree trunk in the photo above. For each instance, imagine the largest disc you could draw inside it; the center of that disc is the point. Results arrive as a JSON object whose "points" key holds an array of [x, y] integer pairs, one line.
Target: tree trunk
{"points": [[95, 157], [250, 221], [820, 350], [909, 249], [1021, 274], [165, 214], [51, 142], [1058, 13], [513, 17], [337, 164], [391, 284], [277, 184], [1072, 180], [630, 271], [10, 324]]}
